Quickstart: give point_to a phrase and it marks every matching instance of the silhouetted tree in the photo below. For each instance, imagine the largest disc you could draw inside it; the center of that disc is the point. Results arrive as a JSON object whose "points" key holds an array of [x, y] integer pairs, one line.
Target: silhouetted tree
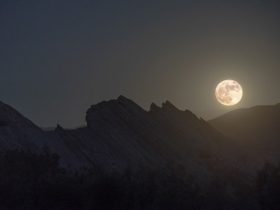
{"points": [[36, 181], [268, 187]]}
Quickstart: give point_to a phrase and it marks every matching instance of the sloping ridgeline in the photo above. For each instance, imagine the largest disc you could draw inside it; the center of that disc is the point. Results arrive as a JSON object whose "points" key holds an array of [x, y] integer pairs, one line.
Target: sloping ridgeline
{"points": [[125, 158]]}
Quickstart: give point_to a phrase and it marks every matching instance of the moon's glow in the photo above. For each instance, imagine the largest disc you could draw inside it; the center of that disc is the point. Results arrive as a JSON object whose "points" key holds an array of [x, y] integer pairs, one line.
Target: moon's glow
{"points": [[229, 92]]}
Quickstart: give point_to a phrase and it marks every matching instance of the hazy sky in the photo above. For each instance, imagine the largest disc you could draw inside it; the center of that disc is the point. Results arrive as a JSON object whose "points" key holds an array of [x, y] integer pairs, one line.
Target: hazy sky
{"points": [[57, 57]]}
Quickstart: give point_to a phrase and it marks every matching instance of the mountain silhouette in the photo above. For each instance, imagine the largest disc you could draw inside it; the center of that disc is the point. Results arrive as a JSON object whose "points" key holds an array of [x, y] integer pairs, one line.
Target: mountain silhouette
{"points": [[256, 130], [218, 161], [120, 134], [17, 131]]}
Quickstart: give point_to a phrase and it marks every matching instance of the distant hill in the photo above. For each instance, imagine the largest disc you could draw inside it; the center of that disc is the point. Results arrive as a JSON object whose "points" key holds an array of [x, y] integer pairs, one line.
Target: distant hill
{"points": [[257, 129]]}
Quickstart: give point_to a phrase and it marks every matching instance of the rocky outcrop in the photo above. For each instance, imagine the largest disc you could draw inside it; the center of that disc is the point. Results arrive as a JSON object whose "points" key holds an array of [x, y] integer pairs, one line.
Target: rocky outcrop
{"points": [[120, 135], [127, 135]]}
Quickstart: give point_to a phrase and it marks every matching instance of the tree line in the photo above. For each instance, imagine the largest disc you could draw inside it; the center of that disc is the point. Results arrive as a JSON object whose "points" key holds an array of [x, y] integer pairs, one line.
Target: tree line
{"points": [[37, 181]]}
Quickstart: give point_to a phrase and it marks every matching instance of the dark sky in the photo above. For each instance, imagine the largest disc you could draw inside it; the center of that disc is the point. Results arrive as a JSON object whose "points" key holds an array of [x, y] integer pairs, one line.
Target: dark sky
{"points": [[57, 57]]}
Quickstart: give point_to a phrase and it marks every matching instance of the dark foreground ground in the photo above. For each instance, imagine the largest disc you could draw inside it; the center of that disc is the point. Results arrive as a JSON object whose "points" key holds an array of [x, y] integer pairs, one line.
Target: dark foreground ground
{"points": [[36, 181]]}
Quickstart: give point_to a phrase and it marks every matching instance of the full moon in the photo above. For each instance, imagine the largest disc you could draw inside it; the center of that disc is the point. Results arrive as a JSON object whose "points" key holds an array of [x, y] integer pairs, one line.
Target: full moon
{"points": [[229, 92]]}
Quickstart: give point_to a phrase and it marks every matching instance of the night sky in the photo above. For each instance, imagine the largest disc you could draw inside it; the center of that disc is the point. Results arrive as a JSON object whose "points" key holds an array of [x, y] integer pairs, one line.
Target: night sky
{"points": [[58, 57]]}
